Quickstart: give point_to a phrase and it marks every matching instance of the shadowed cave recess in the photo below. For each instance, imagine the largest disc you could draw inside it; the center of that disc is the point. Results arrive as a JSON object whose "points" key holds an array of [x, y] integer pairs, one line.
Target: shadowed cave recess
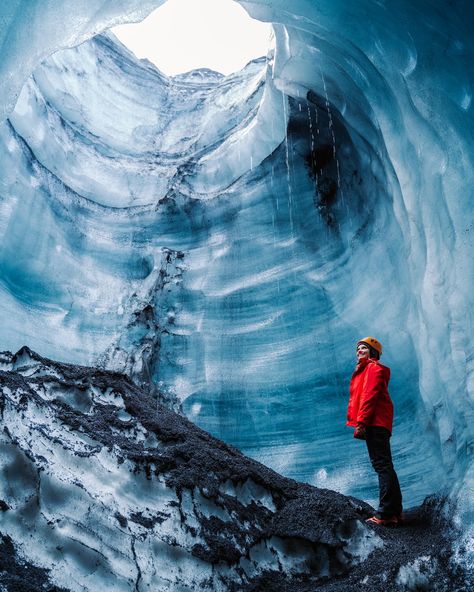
{"points": [[224, 242]]}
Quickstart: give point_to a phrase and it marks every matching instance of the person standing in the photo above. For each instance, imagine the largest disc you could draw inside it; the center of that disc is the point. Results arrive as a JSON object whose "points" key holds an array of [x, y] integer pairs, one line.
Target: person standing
{"points": [[370, 412]]}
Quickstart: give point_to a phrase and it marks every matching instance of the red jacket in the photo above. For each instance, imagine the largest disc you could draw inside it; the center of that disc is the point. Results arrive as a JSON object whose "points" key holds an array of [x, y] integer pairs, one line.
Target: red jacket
{"points": [[369, 401]]}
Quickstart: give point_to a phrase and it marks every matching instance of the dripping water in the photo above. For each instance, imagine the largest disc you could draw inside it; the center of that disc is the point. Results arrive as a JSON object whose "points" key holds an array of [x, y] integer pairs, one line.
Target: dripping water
{"points": [[287, 162], [331, 127]]}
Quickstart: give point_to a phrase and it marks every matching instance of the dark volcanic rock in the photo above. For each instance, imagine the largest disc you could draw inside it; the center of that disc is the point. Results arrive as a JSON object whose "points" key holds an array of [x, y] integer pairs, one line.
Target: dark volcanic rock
{"points": [[107, 489]]}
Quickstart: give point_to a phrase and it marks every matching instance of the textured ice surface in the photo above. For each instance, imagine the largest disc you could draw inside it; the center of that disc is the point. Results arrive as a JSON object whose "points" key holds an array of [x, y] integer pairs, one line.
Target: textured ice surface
{"points": [[106, 489], [416, 576], [230, 238]]}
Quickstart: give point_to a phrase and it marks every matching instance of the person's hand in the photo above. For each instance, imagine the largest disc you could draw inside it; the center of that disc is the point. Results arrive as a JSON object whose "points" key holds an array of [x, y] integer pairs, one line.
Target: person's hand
{"points": [[359, 432]]}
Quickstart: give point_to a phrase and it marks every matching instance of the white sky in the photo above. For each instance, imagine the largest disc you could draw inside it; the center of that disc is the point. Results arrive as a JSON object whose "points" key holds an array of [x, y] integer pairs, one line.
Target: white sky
{"points": [[184, 35]]}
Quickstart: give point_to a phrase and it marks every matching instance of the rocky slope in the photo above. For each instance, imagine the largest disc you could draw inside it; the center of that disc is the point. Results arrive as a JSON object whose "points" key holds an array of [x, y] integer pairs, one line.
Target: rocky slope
{"points": [[104, 488]]}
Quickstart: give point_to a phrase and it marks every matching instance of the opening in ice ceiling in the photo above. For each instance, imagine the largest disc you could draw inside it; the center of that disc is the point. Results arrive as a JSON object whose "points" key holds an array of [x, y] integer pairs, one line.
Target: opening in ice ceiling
{"points": [[184, 35]]}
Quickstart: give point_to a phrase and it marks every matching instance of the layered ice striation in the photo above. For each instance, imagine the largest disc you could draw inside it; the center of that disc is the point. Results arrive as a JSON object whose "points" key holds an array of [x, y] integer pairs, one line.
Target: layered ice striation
{"points": [[226, 240]]}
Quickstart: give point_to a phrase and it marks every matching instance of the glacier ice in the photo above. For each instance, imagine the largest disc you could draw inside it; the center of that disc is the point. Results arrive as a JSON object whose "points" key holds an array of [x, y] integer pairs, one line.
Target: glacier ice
{"points": [[227, 239], [102, 487], [148, 500]]}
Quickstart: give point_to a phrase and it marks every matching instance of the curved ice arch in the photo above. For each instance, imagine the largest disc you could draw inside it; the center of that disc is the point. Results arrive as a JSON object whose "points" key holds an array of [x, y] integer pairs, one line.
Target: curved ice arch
{"points": [[408, 79]]}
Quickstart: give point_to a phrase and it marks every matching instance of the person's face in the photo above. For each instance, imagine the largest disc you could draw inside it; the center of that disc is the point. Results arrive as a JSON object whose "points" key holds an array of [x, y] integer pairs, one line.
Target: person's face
{"points": [[362, 352]]}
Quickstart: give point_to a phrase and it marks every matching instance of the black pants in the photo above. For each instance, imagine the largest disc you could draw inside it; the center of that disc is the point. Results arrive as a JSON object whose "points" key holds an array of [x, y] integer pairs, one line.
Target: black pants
{"points": [[390, 496]]}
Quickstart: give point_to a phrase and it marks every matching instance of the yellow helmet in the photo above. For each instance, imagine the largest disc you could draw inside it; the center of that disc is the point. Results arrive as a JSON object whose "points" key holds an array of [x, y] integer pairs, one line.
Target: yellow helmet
{"points": [[372, 342]]}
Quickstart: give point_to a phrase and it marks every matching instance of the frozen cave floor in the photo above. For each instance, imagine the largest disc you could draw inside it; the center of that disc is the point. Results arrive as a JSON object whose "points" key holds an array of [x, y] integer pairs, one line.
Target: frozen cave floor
{"points": [[104, 488]]}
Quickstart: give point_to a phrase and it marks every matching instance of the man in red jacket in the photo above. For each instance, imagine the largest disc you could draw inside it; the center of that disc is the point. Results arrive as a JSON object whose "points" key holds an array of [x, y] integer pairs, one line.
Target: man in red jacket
{"points": [[370, 412]]}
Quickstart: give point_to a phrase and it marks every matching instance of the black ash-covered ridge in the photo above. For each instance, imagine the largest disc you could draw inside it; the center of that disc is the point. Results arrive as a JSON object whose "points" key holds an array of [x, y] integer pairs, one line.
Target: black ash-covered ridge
{"points": [[312, 536]]}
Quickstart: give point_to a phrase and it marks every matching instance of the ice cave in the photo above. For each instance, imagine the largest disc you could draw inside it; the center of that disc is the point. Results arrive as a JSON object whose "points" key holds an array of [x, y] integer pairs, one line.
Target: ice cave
{"points": [[186, 265]]}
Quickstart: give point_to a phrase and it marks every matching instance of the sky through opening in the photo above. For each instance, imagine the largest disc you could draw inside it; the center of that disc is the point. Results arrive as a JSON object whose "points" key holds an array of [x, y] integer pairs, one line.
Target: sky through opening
{"points": [[184, 35]]}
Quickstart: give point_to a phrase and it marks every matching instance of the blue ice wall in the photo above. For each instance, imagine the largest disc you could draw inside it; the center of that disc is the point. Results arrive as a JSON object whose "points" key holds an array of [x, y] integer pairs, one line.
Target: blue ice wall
{"points": [[229, 239]]}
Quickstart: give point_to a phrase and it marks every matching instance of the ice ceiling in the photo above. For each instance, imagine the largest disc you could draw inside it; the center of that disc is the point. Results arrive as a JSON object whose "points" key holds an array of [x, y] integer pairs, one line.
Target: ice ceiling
{"points": [[229, 239]]}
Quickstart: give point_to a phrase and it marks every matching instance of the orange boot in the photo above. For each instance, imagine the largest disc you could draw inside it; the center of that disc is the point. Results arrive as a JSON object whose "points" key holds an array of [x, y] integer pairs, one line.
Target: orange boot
{"points": [[392, 521]]}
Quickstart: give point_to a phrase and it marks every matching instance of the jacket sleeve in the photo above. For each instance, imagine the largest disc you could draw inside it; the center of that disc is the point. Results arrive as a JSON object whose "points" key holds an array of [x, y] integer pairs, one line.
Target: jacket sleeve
{"points": [[373, 387]]}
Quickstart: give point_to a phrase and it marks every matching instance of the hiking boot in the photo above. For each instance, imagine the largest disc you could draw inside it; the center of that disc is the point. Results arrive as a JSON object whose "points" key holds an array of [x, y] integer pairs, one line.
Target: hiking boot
{"points": [[392, 521]]}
